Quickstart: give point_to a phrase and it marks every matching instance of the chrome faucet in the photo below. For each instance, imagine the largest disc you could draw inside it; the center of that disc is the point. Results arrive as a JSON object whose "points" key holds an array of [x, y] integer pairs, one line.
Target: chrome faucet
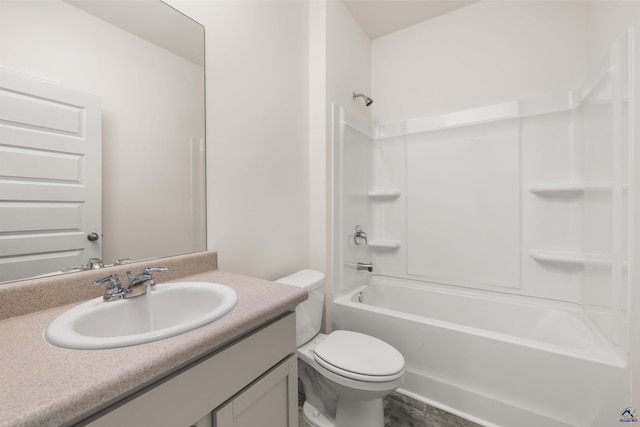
{"points": [[364, 266], [359, 235], [143, 282], [93, 264], [137, 286]]}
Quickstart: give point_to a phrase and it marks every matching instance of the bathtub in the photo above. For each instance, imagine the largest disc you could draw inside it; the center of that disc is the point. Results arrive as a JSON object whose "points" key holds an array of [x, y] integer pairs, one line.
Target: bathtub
{"points": [[496, 359]]}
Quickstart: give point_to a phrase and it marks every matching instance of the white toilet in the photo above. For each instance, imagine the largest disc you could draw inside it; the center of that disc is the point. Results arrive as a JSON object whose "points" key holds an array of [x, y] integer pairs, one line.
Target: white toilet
{"points": [[345, 374]]}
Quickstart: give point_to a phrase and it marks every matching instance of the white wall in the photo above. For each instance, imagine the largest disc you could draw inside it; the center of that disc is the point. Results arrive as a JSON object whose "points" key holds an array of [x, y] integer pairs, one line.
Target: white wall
{"points": [[142, 88], [319, 184], [340, 64], [348, 60], [257, 152], [482, 54]]}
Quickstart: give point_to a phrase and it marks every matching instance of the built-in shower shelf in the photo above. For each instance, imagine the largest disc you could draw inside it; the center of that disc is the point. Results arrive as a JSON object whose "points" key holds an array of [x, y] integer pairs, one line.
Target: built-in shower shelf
{"points": [[385, 244], [561, 257], [574, 258], [389, 193], [561, 189], [572, 189]]}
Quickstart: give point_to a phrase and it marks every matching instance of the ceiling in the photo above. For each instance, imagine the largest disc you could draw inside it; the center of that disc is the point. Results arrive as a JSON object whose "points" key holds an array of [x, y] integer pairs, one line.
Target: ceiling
{"points": [[381, 17], [150, 21]]}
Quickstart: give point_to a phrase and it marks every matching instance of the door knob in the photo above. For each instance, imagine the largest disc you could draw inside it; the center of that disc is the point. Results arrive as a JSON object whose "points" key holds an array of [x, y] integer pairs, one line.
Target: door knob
{"points": [[92, 237]]}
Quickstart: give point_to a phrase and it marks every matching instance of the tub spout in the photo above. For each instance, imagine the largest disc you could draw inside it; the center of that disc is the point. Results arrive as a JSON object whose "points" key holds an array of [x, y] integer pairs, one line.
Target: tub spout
{"points": [[365, 266]]}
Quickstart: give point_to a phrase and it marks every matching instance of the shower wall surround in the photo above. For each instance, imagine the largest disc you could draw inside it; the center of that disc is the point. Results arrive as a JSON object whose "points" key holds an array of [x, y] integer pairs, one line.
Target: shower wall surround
{"points": [[527, 197]]}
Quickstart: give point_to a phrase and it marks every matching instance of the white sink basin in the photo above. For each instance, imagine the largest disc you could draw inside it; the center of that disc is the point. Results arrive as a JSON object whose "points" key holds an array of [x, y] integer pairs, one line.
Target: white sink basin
{"points": [[166, 311]]}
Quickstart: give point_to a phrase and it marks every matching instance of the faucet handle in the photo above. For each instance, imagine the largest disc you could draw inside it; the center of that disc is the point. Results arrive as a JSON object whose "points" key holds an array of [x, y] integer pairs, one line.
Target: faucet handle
{"points": [[94, 264], [151, 270], [114, 291], [112, 281], [145, 276], [359, 235]]}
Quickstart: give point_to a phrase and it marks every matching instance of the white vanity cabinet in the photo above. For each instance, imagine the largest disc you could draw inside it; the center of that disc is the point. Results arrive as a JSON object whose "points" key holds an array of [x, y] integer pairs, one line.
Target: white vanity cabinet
{"points": [[251, 382]]}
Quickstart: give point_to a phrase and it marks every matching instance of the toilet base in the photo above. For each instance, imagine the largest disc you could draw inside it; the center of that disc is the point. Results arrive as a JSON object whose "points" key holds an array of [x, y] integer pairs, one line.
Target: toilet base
{"points": [[359, 413], [315, 417], [350, 413]]}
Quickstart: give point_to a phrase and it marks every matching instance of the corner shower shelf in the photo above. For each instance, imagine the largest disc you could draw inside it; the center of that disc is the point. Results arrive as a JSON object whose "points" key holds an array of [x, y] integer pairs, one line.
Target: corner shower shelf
{"points": [[385, 244], [384, 193]]}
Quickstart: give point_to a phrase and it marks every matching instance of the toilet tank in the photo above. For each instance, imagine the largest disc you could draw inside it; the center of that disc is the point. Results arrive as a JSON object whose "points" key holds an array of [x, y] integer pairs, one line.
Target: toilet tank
{"points": [[309, 312]]}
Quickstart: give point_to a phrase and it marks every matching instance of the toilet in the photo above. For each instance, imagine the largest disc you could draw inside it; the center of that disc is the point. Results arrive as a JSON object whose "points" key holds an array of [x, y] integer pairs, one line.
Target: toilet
{"points": [[345, 374]]}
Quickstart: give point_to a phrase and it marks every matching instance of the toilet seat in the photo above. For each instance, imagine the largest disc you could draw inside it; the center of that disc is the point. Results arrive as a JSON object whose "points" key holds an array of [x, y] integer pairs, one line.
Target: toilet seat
{"points": [[359, 357]]}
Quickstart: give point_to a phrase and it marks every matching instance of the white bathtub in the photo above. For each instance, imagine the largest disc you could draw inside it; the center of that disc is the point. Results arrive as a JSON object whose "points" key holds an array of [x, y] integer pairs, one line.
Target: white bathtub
{"points": [[499, 360]]}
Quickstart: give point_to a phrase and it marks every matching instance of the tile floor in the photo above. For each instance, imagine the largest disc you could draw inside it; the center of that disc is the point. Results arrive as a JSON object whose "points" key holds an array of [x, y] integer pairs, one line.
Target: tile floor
{"points": [[403, 411]]}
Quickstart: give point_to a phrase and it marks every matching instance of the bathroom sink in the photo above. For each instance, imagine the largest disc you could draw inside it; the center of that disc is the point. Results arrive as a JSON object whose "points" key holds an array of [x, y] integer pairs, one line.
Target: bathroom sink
{"points": [[165, 311]]}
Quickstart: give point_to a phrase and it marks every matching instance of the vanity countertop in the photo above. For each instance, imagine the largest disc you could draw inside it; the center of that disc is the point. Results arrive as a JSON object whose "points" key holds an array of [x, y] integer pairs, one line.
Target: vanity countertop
{"points": [[42, 385]]}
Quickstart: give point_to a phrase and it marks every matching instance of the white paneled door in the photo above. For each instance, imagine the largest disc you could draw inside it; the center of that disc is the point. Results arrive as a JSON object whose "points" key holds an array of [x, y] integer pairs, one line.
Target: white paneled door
{"points": [[50, 177]]}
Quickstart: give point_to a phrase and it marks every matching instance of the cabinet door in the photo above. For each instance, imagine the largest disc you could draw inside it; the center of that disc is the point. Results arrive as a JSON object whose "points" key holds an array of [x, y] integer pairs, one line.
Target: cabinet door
{"points": [[196, 390], [271, 401], [206, 421]]}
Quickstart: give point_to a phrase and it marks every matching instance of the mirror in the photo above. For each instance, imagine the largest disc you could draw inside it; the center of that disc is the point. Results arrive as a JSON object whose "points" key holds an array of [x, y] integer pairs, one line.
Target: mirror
{"points": [[143, 62]]}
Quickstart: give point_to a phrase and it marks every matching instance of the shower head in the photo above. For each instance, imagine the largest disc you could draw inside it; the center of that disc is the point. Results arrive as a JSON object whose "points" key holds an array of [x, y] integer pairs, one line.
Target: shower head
{"points": [[367, 101]]}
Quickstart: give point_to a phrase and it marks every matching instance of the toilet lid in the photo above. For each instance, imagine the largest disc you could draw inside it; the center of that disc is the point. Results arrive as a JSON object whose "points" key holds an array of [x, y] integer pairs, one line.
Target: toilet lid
{"points": [[345, 352]]}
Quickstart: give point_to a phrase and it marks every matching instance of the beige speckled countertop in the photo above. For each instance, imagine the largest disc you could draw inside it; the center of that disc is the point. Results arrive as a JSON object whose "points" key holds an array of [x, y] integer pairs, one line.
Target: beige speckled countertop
{"points": [[42, 385]]}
